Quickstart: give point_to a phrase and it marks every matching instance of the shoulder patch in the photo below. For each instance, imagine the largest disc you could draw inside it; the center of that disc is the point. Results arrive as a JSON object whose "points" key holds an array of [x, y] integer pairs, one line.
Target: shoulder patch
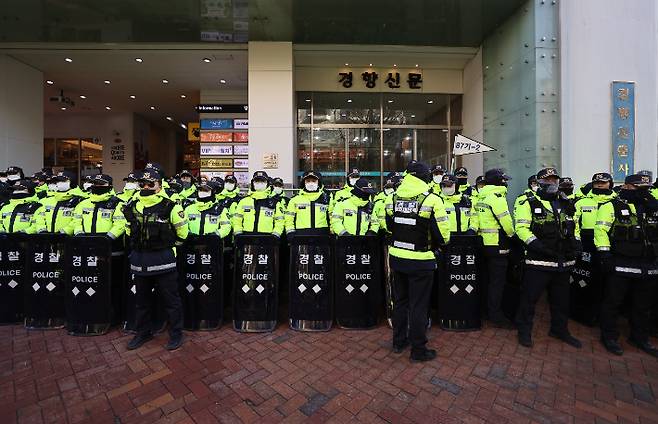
{"points": [[181, 214]]}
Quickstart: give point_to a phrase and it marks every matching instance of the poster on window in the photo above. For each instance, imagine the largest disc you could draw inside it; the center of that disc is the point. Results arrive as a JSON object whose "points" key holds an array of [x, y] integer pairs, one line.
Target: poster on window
{"points": [[216, 150]]}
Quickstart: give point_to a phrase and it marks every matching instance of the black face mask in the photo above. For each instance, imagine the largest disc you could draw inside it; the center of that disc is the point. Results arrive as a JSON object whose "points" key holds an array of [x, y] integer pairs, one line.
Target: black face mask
{"points": [[567, 191], [100, 189], [548, 191], [187, 185], [602, 191], [462, 181], [147, 192], [631, 196], [360, 194]]}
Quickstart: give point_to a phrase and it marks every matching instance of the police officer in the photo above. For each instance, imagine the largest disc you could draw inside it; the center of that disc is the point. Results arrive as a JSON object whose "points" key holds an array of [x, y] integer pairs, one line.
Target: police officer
{"points": [[5, 192], [56, 212], [130, 187], [41, 188], [437, 176], [479, 183], [544, 223], [626, 237], [218, 186], [17, 216], [379, 203], [463, 187], [206, 215], [419, 226], [173, 190], [155, 225], [346, 191], [529, 192], [187, 181], [258, 212], [231, 194], [566, 187], [278, 193], [355, 215], [458, 206], [101, 213], [493, 222], [14, 174], [308, 211]]}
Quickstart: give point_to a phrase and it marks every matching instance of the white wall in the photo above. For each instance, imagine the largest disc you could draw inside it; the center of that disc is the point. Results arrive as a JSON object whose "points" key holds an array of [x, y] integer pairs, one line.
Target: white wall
{"points": [[271, 107], [602, 41], [21, 115], [473, 113], [106, 127]]}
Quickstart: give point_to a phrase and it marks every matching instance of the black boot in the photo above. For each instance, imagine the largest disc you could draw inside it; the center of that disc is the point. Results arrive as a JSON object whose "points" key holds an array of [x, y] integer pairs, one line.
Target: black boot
{"points": [[645, 347], [525, 340], [139, 340], [422, 355], [174, 342], [401, 347], [612, 346], [566, 338]]}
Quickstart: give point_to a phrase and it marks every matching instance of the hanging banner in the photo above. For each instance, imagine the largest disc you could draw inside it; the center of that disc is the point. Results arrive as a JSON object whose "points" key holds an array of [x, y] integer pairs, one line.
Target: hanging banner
{"points": [[216, 137], [466, 146], [623, 129]]}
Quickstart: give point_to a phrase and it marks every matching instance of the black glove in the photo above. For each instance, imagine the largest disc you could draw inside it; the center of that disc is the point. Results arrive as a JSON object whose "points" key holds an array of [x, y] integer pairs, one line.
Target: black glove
{"points": [[607, 261], [536, 246], [371, 233], [578, 247]]}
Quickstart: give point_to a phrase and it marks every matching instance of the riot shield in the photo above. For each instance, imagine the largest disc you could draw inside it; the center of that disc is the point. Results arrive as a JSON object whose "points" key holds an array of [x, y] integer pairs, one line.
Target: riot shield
{"points": [[88, 285], [358, 289], [311, 283], [255, 297], [201, 276], [44, 299], [512, 290], [459, 286], [12, 277], [388, 288], [586, 289]]}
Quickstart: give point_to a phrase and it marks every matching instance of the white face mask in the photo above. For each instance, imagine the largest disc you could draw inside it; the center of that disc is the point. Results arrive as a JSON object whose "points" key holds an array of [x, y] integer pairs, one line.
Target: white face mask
{"points": [[260, 186], [229, 186], [437, 178], [130, 186], [63, 186], [448, 191], [353, 180], [52, 187], [204, 194], [277, 190], [86, 186], [388, 191], [311, 186], [3, 179], [13, 177], [534, 187], [19, 192]]}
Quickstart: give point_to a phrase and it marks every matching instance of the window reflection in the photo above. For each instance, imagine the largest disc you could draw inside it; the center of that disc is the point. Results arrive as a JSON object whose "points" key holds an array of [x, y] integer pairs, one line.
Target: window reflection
{"points": [[398, 149]]}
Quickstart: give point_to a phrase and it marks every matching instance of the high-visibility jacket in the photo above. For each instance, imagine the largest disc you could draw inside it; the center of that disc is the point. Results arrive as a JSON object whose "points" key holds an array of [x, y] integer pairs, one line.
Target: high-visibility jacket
{"points": [[585, 216], [231, 199], [379, 210], [41, 191], [258, 213], [308, 213], [417, 221], [459, 209], [654, 192], [522, 197], [492, 220], [127, 195], [354, 216], [208, 218], [342, 194], [552, 223], [99, 214], [56, 213], [189, 192], [19, 215]]}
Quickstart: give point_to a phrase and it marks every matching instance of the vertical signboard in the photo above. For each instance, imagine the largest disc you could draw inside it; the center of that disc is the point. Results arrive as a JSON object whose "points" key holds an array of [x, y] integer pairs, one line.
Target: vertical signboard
{"points": [[623, 129]]}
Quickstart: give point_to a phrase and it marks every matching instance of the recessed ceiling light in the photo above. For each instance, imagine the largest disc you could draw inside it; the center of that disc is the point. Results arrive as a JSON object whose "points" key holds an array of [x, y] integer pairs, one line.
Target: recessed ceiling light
{"points": [[132, 96], [207, 59], [82, 96], [169, 118], [413, 116], [165, 81], [349, 100], [347, 64], [108, 108], [50, 82], [416, 65], [152, 107], [107, 81], [307, 100], [183, 126], [370, 64], [182, 96], [63, 108], [222, 81], [389, 101], [429, 102], [68, 59], [139, 60], [395, 66]]}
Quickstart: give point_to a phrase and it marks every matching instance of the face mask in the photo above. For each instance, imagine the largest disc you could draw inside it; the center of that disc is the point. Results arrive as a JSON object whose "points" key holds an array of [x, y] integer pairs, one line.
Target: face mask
{"points": [[13, 177], [3, 179], [602, 191], [229, 186], [147, 192], [437, 178], [448, 191], [260, 186], [130, 186], [567, 191], [462, 180], [548, 190], [311, 186], [63, 186], [187, 184], [277, 190], [204, 194], [86, 186], [100, 189], [52, 187], [353, 181], [360, 194], [389, 190], [534, 188]]}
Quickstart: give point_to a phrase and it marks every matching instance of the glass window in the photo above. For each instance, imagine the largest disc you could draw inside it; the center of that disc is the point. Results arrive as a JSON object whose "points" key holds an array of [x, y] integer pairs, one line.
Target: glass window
{"points": [[364, 153], [303, 150], [346, 108], [415, 109], [91, 157], [432, 147], [398, 149], [303, 108], [456, 109], [329, 155]]}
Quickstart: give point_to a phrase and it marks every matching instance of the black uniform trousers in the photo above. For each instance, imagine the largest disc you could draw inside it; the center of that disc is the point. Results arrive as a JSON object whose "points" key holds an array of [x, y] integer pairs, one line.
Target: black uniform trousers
{"points": [[167, 289], [642, 290], [411, 298], [497, 277], [534, 282]]}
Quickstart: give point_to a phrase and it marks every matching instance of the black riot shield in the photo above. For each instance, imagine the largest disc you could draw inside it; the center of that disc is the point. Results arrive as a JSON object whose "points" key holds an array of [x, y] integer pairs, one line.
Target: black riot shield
{"points": [[358, 288], [256, 279], [12, 277], [459, 297], [388, 288], [512, 290], [311, 283], [201, 261], [44, 296], [88, 285], [586, 289]]}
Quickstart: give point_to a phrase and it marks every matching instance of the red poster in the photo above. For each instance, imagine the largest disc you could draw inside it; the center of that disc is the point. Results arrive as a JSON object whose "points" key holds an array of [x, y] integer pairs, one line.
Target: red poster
{"points": [[241, 137]]}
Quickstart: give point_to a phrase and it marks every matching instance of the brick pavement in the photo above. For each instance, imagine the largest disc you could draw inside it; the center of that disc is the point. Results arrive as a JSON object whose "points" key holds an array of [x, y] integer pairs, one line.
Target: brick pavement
{"points": [[340, 376]]}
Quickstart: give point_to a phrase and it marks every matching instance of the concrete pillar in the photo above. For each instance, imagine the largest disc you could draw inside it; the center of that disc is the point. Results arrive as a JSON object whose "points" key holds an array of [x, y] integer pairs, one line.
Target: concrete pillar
{"points": [[272, 108], [21, 115]]}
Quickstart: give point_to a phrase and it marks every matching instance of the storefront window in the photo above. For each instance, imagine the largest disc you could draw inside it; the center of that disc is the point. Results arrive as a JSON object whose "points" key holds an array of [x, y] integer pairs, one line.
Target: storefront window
{"points": [[398, 148], [80, 156]]}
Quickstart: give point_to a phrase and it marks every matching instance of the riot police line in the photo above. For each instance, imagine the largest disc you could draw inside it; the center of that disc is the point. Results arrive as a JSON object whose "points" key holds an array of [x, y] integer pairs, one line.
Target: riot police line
{"points": [[85, 258]]}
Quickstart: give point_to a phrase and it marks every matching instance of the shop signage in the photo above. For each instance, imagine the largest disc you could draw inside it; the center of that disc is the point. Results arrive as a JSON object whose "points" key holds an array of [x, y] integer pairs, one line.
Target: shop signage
{"points": [[240, 123], [240, 137], [216, 124], [216, 150], [240, 163], [217, 137], [370, 79], [623, 129], [242, 149], [270, 160], [118, 151], [193, 131], [210, 108], [216, 163]]}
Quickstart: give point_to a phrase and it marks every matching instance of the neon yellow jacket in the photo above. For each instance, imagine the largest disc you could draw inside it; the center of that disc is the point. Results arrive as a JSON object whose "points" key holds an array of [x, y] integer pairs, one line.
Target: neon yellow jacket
{"points": [[605, 218], [352, 214], [99, 214], [258, 213], [379, 209], [587, 210], [19, 215], [298, 215], [231, 199], [492, 215], [60, 203], [208, 218], [457, 208]]}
